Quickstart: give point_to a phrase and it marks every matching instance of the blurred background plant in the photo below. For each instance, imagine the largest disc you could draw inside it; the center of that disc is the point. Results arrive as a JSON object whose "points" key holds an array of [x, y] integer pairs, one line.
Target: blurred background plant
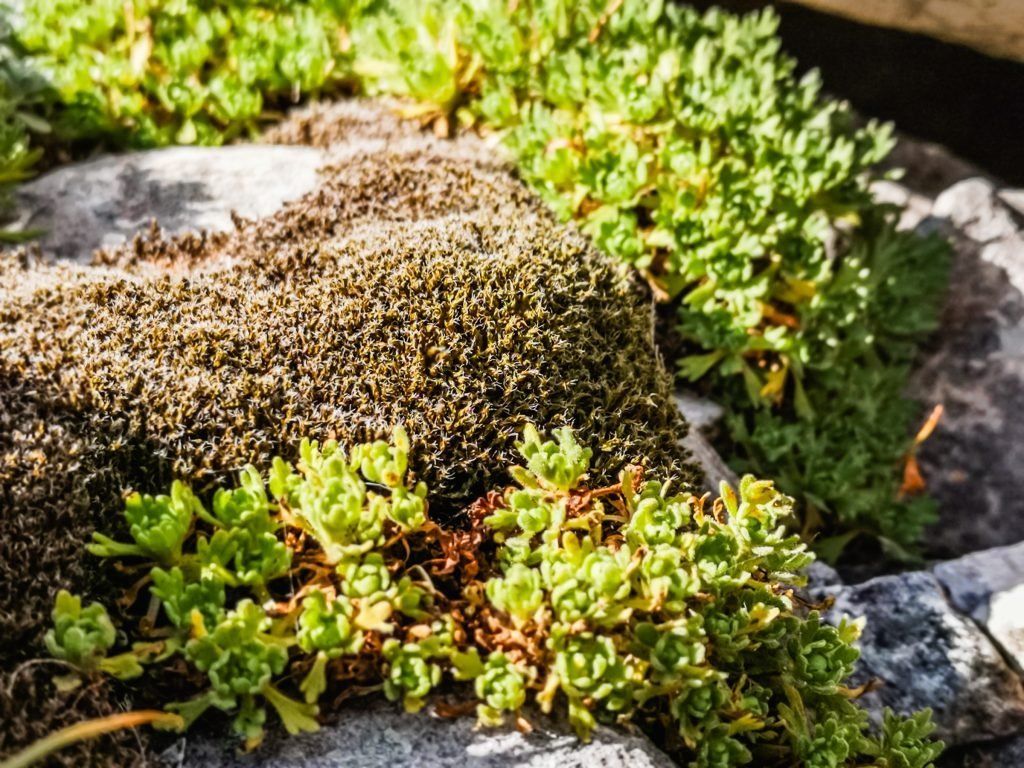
{"points": [[23, 98]]}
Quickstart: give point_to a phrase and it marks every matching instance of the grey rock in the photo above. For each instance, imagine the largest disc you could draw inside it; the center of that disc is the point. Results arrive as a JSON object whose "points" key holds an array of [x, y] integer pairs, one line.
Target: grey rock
{"points": [[975, 369], [699, 412], [1013, 198], [928, 168], [988, 586], [104, 202], [926, 654], [382, 735], [1005, 624], [713, 467], [973, 580], [703, 415], [820, 574], [916, 207]]}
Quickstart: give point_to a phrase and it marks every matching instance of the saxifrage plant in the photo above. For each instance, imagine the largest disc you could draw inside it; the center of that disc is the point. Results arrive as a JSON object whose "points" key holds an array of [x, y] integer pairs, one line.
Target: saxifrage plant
{"points": [[631, 602], [150, 73], [682, 142]]}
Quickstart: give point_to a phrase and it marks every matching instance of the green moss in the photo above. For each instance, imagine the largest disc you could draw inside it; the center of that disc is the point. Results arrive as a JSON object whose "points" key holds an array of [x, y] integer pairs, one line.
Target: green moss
{"points": [[419, 285]]}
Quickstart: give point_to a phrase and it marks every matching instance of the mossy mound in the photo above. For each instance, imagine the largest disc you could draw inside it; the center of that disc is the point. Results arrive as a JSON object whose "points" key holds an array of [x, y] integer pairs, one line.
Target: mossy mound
{"points": [[420, 284]]}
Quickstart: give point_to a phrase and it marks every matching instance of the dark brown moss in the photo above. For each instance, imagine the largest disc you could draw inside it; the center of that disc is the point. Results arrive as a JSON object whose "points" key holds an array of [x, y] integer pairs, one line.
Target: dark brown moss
{"points": [[419, 284]]}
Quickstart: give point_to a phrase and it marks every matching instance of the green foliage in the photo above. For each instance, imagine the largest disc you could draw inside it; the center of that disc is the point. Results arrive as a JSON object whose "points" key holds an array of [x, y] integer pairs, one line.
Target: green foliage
{"points": [[159, 525], [23, 96], [905, 742], [82, 637], [681, 142], [186, 603], [556, 466], [625, 603], [684, 144], [151, 73], [79, 636], [501, 688]]}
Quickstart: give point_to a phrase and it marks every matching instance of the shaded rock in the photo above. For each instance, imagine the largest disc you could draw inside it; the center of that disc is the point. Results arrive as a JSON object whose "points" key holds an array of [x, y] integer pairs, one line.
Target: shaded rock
{"points": [[700, 413], [928, 168], [381, 735], [821, 574], [105, 202], [926, 654], [1005, 753], [975, 369], [995, 27]]}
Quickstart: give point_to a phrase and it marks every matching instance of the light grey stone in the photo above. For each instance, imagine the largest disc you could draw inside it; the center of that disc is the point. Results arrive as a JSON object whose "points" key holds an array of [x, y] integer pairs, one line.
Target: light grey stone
{"points": [[971, 581], [1005, 623], [104, 202], [700, 413], [703, 415], [382, 735], [713, 467], [975, 369], [926, 654], [988, 586], [821, 574], [916, 207], [1013, 198]]}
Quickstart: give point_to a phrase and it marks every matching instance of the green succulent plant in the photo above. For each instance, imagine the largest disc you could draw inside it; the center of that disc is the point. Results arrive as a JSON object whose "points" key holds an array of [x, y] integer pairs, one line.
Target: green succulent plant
{"points": [[185, 600], [326, 628], [188, 72], [501, 688], [411, 674], [629, 603], [82, 637], [240, 659], [158, 524]]}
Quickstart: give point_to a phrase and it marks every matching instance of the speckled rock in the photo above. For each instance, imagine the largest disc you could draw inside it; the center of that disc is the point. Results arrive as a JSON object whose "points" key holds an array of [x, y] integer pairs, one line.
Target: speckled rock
{"points": [[926, 654], [105, 202], [381, 735], [975, 369], [988, 586]]}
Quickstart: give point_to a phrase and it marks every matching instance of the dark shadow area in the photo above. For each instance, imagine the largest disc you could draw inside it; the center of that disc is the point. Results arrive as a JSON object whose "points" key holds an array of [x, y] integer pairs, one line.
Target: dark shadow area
{"points": [[953, 95]]}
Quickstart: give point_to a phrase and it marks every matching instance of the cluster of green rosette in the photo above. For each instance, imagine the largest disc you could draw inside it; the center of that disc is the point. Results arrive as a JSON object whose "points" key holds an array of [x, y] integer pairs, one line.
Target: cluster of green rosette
{"points": [[625, 603], [682, 142]]}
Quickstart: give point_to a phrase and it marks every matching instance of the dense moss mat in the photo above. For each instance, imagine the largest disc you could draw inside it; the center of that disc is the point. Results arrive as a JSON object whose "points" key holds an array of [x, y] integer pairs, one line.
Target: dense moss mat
{"points": [[419, 284]]}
